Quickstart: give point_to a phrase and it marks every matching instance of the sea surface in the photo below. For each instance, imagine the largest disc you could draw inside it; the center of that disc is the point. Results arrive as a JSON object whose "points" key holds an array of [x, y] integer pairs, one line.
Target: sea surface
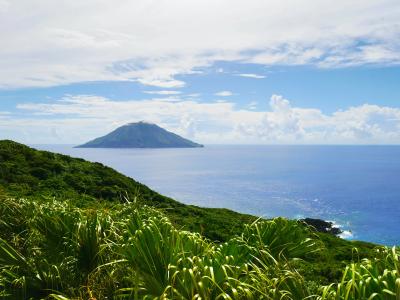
{"points": [[357, 187]]}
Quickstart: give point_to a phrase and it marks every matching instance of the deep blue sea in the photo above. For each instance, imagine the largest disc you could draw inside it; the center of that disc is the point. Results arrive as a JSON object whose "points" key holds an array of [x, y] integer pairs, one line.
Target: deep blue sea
{"points": [[357, 187]]}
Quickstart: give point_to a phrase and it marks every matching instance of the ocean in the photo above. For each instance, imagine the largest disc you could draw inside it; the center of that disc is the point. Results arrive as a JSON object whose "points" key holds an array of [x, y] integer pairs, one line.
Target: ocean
{"points": [[357, 187]]}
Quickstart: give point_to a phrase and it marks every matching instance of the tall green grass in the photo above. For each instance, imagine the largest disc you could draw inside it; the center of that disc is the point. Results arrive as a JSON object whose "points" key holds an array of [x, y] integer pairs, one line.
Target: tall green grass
{"points": [[378, 279], [53, 249]]}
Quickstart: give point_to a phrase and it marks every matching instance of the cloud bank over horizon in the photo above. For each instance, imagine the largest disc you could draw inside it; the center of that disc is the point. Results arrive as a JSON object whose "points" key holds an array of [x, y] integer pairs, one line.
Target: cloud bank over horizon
{"points": [[52, 43], [75, 119]]}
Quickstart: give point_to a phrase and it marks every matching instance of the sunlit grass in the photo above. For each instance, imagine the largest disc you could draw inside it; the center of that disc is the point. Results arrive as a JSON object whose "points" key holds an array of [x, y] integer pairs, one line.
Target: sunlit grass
{"points": [[378, 278]]}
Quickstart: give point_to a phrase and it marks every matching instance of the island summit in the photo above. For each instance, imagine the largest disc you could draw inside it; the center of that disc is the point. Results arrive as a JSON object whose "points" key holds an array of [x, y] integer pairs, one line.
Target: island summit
{"points": [[140, 135]]}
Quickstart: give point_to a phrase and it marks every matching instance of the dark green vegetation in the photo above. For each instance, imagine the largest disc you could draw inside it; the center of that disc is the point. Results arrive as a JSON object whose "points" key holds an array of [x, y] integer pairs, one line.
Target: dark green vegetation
{"points": [[140, 135], [25, 172], [75, 229], [322, 226]]}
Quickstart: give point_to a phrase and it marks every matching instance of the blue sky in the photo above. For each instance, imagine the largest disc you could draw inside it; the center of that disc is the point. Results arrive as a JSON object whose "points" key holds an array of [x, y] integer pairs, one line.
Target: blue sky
{"points": [[258, 72], [306, 86]]}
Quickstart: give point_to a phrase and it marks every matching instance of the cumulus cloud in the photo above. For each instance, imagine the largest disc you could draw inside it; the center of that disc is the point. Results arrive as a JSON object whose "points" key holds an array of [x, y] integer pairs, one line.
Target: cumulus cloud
{"points": [[224, 94], [60, 42], [85, 117]]}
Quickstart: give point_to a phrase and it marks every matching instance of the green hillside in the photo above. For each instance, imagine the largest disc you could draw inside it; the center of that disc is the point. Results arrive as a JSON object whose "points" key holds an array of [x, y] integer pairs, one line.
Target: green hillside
{"points": [[28, 172], [140, 135], [117, 237]]}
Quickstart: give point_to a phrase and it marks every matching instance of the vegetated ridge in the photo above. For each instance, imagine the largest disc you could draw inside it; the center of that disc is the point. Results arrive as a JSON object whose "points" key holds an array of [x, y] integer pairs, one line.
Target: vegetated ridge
{"points": [[140, 135], [72, 229]]}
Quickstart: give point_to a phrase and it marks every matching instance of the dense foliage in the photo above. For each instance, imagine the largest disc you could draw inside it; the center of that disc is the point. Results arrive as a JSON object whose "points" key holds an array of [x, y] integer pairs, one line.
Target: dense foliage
{"points": [[53, 249]]}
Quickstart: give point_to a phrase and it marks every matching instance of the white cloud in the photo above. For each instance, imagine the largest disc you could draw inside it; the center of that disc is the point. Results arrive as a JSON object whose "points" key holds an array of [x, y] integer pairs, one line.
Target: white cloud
{"points": [[250, 75], [163, 83], [59, 42], [85, 117], [224, 94], [253, 105], [193, 95], [4, 5], [163, 92]]}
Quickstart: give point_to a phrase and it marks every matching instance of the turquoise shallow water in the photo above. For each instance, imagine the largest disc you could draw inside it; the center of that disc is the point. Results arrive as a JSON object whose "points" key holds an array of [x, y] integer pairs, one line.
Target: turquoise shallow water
{"points": [[358, 187]]}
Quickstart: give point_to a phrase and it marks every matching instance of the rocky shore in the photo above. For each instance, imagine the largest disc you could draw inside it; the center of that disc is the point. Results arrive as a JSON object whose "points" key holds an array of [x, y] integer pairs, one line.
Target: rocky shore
{"points": [[322, 226]]}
